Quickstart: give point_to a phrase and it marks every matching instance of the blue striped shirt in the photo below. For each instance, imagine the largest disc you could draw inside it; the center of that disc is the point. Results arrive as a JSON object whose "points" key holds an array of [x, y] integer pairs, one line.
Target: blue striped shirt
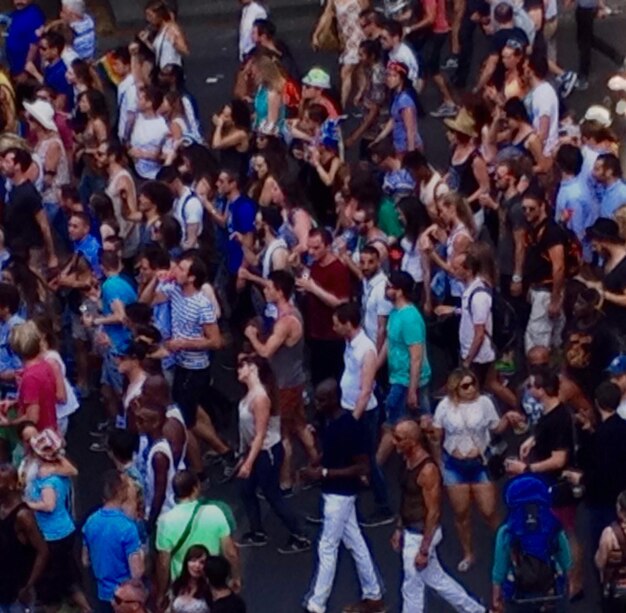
{"points": [[84, 37], [189, 316]]}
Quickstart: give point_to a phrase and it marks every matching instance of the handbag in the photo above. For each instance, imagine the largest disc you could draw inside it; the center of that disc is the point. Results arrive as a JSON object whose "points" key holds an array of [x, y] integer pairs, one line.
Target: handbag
{"points": [[328, 37]]}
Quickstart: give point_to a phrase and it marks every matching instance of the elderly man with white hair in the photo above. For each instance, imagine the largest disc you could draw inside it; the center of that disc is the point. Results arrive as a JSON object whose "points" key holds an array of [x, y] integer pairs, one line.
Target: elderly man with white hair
{"points": [[73, 13]]}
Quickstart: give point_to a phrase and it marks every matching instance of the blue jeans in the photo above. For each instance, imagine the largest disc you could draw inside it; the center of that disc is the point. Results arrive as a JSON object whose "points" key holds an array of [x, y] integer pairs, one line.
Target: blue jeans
{"points": [[371, 421], [395, 405], [265, 475]]}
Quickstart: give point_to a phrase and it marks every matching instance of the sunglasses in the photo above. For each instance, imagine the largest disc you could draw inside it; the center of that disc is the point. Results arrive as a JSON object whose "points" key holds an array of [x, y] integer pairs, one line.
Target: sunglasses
{"points": [[119, 601], [467, 385]]}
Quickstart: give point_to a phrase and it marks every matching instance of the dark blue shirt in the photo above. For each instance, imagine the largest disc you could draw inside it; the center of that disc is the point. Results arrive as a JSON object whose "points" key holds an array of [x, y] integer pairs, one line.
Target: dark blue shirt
{"points": [[343, 440], [21, 35], [54, 78], [241, 213]]}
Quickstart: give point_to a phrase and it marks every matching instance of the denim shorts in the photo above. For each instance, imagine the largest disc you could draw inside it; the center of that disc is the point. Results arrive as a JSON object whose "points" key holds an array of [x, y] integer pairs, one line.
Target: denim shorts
{"points": [[469, 471], [395, 405]]}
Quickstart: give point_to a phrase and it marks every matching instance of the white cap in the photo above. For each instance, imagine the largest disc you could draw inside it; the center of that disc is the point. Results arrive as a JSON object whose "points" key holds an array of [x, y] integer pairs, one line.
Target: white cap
{"points": [[599, 114], [42, 112], [617, 83]]}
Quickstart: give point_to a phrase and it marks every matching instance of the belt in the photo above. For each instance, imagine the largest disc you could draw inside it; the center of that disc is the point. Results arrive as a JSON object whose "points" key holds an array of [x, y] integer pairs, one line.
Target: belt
{"points": [[414, 529]]}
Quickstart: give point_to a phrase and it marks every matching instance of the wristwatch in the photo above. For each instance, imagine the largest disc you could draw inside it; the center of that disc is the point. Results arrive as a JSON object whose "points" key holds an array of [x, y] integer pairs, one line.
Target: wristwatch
{"points": [[324, 473], [516, 278]]}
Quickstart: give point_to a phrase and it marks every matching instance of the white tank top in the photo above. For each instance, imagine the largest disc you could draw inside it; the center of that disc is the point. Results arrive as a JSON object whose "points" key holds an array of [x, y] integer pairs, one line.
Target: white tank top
{"points": [[247, 429], [173, 412], [163, 447], [52, 194], [129, 230]]}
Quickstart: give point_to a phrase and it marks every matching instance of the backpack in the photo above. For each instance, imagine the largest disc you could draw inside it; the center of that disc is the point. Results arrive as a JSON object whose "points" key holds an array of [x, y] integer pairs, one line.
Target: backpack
{"points": [[504, 318], [533, 531]]}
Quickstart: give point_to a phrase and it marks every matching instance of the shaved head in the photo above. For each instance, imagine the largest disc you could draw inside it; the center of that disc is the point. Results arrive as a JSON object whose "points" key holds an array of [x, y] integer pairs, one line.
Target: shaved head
{"points": [[409, 428], [538, 355]]}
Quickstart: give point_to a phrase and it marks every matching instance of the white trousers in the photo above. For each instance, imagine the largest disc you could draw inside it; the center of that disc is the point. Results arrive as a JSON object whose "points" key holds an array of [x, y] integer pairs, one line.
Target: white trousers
{"points": [[340, 526], [542, 330], [432, 576]]}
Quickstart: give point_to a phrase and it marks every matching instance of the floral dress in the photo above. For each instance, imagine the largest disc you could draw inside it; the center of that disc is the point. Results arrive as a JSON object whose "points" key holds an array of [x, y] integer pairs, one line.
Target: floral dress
{"points": [[350, 31]]}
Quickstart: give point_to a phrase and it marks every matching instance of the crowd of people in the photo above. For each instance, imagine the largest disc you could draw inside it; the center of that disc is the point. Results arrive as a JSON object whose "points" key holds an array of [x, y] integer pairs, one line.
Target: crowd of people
{"points": [[300, 246]]}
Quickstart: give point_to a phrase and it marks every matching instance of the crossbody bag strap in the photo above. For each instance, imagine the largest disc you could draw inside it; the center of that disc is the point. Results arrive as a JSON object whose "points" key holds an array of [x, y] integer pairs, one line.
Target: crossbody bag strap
{"points": [[186, 531]]}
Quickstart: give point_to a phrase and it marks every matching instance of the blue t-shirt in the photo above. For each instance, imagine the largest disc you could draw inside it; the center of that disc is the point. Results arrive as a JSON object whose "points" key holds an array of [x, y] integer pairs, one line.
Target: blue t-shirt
{"points": [[117, 288], [54, 78], [400, 102], [89, 247], [21, 35], [111, 538], [241, 214], [58, 524]]}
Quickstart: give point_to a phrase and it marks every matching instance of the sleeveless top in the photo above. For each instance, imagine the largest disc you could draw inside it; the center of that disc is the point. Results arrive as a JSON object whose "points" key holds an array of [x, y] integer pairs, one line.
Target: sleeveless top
{"points": [[456, 286], [187, 604], [462, 177], [268, 254], [16, 567], [247, 429], [52, 194], [287, 362], [145, 456], [412, 505], [71, 403], [173, 412], [129, 230]]}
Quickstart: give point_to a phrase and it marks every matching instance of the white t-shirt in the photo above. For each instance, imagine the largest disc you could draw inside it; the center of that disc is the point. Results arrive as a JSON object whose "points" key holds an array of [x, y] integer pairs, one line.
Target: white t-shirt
{"points": [[188, 210], [403, 53], [466, 425], [148, 134], [350, 383], [545, 103], [478, 312], [249, 14], [412, 260], [374, 304], [126, 105], [71, 403]]}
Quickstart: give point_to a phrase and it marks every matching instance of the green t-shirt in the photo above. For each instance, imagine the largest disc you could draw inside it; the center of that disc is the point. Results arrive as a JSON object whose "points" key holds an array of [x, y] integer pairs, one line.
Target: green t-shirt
{"points": [[388, 220], [210, 526], [405, 327]]}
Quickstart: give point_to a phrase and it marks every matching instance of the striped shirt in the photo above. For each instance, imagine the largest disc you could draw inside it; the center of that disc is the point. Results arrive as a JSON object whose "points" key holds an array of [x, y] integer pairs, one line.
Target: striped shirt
{"points": [[84, 42], [189, 316]]}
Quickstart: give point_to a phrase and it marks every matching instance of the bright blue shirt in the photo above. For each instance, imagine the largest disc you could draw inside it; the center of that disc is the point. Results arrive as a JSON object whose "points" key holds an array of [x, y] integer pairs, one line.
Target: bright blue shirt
{"points": [[21, 35], [58, 523], [117, 288], [576, 208], [241, 213], [90, 248], [54, 78], [8, 359], [614, 197], [400, 102], [111, 538]]}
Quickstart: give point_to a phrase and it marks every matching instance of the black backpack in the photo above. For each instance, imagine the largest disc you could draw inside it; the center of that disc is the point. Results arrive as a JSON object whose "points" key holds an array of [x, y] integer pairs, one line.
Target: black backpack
{"points": [[504, 319]]}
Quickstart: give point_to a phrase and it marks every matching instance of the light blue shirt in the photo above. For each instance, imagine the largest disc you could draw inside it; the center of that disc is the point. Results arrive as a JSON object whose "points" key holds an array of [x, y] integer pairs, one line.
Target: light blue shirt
{"points": [[8, 359], [614, 197], [56, 524], [576, 209]]}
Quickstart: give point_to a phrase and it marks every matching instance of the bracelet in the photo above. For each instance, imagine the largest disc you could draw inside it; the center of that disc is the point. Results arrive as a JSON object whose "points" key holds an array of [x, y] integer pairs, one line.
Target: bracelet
{"points": [[516, 278]]}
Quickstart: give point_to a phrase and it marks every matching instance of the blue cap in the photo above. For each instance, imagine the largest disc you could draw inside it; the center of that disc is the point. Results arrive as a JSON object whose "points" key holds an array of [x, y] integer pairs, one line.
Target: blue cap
{"points": [[617, 365]]}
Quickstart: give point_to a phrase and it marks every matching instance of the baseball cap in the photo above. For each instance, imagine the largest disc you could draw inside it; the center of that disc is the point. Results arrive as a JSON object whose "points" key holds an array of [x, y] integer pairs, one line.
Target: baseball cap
{"points": [[599, 114], [617, 365], [317, 77]]}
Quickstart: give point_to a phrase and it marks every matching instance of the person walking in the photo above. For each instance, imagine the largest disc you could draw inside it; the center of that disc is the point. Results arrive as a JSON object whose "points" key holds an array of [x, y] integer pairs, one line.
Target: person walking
{"points": [[419, 532], [344, 463]]}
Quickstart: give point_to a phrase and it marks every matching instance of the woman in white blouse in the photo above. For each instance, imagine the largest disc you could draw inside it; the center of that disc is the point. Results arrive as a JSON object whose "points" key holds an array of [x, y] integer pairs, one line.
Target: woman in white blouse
{"points": [[169, 43], [463, 424]]}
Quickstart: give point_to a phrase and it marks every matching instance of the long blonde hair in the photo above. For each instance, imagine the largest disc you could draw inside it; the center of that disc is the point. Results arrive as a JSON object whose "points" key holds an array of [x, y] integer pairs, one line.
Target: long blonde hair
{"points": [[269, 72], [463, 211]]}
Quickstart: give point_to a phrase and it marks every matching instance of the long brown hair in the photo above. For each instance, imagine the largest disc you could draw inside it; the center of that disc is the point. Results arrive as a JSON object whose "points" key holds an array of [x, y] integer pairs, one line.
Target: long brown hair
{"points": [[266, 376]]}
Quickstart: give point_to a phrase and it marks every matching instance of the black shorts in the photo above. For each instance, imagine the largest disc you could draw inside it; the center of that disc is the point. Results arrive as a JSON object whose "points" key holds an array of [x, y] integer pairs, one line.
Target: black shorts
{"points": [[432, 53], [61, 575], [190, 389]]}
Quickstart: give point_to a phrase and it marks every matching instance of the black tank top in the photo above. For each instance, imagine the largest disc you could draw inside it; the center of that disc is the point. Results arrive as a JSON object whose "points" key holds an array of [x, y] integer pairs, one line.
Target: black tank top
{"points": [[16, 558], [466, 183], [412, 506]]}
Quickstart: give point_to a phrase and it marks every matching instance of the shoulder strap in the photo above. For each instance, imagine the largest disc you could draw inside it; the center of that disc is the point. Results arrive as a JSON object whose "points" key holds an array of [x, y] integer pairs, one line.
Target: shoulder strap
{"points": [[621, 538], [188, 197], [187, 530]]}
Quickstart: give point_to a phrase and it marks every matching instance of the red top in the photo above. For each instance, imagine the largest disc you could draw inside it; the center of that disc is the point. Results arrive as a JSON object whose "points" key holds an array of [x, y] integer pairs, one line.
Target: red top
{"points": [[39, 387], [441, 25], [334, 278]]}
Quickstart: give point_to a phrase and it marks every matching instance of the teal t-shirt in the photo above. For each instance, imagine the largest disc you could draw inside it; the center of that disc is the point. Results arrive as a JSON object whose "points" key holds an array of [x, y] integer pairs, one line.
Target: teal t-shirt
{"points": [[405, 327]]}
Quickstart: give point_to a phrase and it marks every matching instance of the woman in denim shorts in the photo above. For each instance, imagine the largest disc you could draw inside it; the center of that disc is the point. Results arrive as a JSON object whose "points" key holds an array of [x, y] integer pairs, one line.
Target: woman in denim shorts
{"points": [[463, 423]]}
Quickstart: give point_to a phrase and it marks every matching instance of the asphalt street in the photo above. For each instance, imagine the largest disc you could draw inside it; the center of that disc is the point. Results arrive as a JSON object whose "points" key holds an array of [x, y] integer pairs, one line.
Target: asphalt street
{"points": [[275, 583]]}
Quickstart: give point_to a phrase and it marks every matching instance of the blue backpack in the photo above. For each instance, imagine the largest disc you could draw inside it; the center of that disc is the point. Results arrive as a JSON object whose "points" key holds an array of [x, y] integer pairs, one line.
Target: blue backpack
{"points": [[533, 530]]}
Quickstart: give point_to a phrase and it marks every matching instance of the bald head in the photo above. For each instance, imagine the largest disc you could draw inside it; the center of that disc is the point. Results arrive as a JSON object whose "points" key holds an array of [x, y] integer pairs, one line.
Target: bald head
{"points": [[538, 355], [327, 396], [409, 429], [156, 390]]}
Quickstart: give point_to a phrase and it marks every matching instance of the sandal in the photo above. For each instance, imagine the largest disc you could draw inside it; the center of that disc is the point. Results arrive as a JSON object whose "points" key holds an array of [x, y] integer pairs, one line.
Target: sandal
{"points": [[465, 564]]}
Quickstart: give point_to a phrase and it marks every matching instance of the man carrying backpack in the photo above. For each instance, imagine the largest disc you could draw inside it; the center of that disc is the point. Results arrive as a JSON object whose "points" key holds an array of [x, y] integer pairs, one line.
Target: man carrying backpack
{"points": [[544, 273], [531, 554]]}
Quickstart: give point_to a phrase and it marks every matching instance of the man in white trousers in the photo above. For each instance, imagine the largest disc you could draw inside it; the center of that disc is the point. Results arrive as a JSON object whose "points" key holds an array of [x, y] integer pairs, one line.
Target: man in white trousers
{"points": [[344, 462], [418, 532]]}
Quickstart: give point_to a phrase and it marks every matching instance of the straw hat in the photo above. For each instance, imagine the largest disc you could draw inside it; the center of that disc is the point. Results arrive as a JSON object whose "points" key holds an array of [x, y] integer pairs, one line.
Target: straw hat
{"points": [[463, 123], [42, 112]]}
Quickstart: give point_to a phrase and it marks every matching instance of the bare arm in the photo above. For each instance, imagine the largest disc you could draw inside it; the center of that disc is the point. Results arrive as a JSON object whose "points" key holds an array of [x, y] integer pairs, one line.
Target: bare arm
{"points": [[136, 565], [29, 528], [409, 118], [42, 221], [260, 407], [61, 392], [430, 483], [47, 503], [368, 376], [162, 574], [160, 465], [277, 339], [557, 259], [229, 550]]}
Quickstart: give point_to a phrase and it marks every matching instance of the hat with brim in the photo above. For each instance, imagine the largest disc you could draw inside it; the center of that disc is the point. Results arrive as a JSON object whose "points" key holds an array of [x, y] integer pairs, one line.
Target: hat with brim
{"points": [[462, 123], [43, 113], [316, 77], [47, 444], [604, 229]]}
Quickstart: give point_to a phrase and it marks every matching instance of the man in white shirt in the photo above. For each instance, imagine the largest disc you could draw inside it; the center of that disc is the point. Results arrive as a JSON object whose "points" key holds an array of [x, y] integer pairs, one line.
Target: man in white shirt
{"points": [[375, 305], [617, 372], [250, 12], [357, 396], [391, 41], [544, 103], [126, 93], [187, 208]]}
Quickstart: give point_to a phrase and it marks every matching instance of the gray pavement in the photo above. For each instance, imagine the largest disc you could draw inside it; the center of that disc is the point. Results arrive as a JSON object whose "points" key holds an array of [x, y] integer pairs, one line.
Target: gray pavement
{"points": [[275, 583]]}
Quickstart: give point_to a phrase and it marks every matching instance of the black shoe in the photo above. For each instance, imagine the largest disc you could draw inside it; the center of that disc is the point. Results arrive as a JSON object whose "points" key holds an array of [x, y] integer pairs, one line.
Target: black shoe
{"points": [[295, 544], [318, 520], [252, 539], [378, 518], [101, 428]]}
